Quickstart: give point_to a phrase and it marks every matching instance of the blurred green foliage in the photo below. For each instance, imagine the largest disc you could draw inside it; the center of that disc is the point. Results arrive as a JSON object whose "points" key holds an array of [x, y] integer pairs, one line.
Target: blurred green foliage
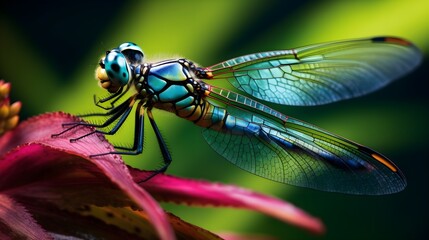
{"points": [[49, 52]]}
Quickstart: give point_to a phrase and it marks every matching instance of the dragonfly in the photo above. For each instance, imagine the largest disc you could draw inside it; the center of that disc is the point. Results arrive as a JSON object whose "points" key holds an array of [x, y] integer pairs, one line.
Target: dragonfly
{"points": [[241, 128]]}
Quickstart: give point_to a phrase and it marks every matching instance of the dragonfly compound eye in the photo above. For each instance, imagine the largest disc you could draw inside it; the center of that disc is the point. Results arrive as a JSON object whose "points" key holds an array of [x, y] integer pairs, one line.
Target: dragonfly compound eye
{"points": [[132, 52], [117, 69]]}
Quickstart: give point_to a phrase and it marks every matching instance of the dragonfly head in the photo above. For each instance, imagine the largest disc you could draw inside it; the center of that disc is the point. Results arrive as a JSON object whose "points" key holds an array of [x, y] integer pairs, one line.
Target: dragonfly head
{"points": [[116, 68]]}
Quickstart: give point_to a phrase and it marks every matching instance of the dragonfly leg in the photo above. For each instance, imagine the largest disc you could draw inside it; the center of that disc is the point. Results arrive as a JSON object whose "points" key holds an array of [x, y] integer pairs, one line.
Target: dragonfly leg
{"points": [[138, 135], [116, 96], [163, 147], [111, 96], [117, 111], [122, 115], [138, 141], [112, 111]]}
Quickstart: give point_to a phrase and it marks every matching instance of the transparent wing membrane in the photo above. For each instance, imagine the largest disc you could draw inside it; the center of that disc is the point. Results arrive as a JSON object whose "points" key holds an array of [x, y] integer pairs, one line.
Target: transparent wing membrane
{"points": [[290, 151], [321, 73]]}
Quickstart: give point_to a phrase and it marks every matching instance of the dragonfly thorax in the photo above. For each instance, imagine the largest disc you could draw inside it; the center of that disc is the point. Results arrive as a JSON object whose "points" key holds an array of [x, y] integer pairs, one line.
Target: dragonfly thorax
{"points": [[169, 85]]}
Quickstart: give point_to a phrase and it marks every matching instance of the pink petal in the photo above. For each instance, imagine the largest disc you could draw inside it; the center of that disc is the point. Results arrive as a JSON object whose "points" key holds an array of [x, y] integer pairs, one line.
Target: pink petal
{"points": [[18, 221], [38, 130], [193, 192]]}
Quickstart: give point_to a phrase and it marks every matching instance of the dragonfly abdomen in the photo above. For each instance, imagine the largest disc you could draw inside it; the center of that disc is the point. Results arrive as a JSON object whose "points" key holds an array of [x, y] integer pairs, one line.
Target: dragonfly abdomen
{"points": [[218, 118]]}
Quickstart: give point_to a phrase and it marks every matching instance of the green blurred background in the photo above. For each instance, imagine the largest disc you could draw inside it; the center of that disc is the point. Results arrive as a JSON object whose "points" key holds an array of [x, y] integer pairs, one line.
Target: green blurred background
{"points": [[49, 53]]}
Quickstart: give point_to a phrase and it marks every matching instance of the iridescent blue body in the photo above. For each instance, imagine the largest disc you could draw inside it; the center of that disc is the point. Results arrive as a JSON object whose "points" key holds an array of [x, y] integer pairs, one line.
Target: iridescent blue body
{"points": [[252, 135], [174, 86]]}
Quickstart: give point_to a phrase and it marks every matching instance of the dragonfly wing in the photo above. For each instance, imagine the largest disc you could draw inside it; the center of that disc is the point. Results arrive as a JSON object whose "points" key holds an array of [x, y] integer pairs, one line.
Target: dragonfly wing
{"points": [[290, 151], [320, 73]]}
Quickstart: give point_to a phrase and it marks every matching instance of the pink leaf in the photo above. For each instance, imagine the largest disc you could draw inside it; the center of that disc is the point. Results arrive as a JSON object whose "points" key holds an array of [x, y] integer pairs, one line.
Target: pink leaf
{"points": [[40, 152], [18, 221], [234, 236], [193, 192]]}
